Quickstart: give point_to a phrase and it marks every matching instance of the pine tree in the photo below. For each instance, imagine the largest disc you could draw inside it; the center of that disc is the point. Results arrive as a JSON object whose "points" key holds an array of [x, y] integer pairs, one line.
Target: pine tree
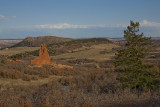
{"points": [[129, 61]]}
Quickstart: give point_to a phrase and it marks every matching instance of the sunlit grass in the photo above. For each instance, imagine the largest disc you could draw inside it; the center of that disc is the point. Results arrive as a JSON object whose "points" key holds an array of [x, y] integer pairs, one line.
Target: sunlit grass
{"points": [[92, 52], [16, 50]]}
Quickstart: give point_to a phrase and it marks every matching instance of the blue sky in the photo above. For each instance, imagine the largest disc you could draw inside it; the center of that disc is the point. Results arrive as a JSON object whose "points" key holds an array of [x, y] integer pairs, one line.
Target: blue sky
{"points": [[77, 18]]}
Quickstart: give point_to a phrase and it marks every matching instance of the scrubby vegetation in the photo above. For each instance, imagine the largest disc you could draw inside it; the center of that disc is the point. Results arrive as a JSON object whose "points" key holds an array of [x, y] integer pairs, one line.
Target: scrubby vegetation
{"points": [[82, 86], [64, 47], [25, 54], [92, 83]]}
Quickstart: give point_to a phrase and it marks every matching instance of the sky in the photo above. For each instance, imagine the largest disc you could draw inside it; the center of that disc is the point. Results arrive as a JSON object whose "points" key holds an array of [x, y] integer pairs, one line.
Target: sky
{"points": [[77, 18]]}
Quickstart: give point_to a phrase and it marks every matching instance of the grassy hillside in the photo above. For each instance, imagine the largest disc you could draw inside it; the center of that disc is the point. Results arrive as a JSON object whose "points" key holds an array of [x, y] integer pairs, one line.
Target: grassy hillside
{"points": [[98, 52], [60, 48], [92, 82], [65, 47], [37, 41], [17, 50]]}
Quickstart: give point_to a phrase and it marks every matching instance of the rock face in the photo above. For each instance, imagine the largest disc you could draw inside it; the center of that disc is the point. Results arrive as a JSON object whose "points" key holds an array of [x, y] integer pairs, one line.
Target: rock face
{"points": [[43, 57]]}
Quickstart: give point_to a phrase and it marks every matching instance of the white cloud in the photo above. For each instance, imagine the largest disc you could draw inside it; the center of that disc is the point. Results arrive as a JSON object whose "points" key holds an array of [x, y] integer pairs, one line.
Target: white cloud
{"points": [[3, 17], [146, 23], [6, 17], [14, 16], [72, 26], [64, 26]]}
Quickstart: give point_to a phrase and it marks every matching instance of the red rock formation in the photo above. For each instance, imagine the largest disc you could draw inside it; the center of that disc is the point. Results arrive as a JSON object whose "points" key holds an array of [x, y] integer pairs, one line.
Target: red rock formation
{"points": [[43, 57], [10, 60]]}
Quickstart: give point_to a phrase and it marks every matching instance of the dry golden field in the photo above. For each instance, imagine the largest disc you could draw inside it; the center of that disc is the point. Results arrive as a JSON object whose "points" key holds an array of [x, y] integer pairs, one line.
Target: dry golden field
{"points": [[93, 52], [92, 82], [16, 50]]}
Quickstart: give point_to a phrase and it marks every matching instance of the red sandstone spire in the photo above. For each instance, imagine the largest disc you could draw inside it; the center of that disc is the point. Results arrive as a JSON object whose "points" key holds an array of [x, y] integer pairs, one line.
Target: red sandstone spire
{"points": [[43, 57]]}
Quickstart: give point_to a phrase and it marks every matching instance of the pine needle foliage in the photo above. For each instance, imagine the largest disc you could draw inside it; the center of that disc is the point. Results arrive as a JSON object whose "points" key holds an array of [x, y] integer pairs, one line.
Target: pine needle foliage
{"points": [[129, 61]]}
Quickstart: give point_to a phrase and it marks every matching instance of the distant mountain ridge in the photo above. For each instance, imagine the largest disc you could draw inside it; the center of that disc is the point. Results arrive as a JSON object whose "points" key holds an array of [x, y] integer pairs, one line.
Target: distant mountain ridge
{"points": [[37, 41], [156, 38], [8, 42]]}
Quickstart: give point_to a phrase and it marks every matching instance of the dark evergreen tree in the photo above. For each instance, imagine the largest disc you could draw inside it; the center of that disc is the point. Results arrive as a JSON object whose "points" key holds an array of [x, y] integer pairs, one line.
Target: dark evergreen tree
{"points": [[129, 61]]}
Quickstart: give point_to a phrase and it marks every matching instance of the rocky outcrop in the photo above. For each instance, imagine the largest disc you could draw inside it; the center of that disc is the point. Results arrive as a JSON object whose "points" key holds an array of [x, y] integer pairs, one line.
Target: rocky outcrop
{"points": [[43, 57]]}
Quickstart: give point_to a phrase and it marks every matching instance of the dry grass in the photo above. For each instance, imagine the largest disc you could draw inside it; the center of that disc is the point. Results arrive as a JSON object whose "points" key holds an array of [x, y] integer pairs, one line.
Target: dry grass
{"points": [[84, 86], [19, 82], [16, 50], [80, 90], [92, 52]]}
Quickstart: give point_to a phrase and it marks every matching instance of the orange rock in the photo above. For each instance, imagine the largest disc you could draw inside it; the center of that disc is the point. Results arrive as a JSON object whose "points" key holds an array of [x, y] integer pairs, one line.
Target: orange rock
{"points": [[36, 65], [60, 66], [43, 57], [53, 64], [19, 60], [10, 60], [29, 66]]}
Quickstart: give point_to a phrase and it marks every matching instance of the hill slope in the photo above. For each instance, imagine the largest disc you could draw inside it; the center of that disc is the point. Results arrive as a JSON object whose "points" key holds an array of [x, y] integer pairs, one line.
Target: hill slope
{"points": [[60, 48], [37, 41], [65, 47]]}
